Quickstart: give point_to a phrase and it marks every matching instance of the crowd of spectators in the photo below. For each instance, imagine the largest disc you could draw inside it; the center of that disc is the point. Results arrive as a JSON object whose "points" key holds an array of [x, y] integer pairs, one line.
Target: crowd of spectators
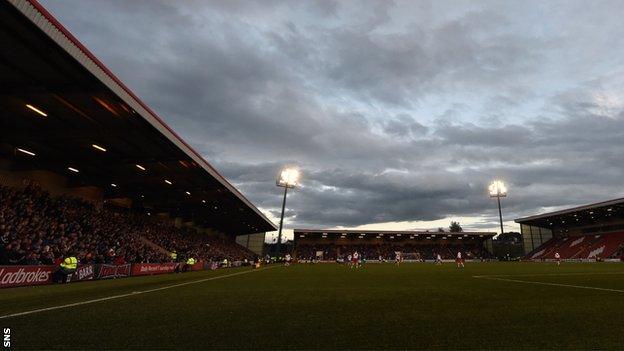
{"points": [[188, 243], [37, 228]]}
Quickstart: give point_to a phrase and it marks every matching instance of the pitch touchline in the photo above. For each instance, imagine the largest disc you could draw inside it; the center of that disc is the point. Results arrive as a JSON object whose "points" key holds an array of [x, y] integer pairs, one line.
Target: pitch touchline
{"points": [[549, 284], [134, 293], [542, 274]]}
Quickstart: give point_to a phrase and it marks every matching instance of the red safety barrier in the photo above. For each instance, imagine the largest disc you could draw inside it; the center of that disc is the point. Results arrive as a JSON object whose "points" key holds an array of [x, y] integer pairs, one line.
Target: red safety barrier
{"points": [[14, 276], [199, 266]]}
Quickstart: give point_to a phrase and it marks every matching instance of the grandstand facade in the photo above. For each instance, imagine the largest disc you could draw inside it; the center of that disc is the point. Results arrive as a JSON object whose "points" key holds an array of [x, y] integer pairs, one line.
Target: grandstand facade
{"points": [[594, 232], [88, 168], [332, 244]]}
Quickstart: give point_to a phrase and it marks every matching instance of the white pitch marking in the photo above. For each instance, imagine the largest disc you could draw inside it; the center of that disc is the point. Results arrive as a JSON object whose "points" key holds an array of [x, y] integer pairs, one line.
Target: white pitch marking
{"points": [[549, 284], [134, 293], [543, 274]]}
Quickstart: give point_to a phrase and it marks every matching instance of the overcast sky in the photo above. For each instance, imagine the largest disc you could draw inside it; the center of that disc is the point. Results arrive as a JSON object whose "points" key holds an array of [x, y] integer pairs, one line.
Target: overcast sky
{"points": [[398, 113]]}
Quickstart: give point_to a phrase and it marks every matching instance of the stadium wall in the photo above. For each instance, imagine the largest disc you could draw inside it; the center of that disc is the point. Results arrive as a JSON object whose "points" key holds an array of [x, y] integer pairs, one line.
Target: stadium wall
{"points": [[253, 242], [534, 237]]}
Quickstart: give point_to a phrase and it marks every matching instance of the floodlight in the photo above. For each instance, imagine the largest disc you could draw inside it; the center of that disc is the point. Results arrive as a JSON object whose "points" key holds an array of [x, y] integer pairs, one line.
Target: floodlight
{"points": [[497, 189], [98, 147], [27, 152], [288, 178], [37, 110]]}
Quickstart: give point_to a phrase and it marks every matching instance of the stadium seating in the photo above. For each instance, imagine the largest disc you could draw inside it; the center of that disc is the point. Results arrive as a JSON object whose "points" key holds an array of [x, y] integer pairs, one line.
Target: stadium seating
{"points": [[37, 228], [581, 247], [604, 246]]}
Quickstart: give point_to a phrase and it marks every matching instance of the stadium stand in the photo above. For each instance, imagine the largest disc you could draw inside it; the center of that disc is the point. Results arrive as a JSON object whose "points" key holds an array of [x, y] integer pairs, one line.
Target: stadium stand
{"points": [[88, 168], [373, 245], [37, 228], [589, 232]]}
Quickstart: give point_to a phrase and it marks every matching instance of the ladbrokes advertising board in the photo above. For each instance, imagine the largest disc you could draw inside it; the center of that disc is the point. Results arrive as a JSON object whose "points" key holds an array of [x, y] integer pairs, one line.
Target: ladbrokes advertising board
{"points": [[11, 276]]}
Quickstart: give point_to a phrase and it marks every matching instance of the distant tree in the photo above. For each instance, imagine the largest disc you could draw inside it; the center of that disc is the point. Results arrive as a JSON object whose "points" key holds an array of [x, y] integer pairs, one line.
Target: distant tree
{"points": [[455, 227], [440, 230]]}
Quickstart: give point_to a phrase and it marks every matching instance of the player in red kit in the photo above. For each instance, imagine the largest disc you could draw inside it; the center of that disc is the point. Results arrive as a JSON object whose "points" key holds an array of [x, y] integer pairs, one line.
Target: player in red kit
{"points": [[356, 259], [459, 260]]}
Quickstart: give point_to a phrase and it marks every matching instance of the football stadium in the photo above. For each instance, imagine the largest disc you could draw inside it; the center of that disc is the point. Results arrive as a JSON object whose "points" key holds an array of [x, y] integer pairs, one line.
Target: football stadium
{"points": [[117, 234]]}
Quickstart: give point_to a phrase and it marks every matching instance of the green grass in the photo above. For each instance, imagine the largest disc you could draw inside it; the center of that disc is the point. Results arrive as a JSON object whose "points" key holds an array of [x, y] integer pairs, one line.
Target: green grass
{"points": [[327, 306]]}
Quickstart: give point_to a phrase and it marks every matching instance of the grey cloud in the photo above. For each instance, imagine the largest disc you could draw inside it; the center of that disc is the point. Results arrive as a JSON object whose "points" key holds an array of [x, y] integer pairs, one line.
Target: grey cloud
{"points": [[395, 111]]}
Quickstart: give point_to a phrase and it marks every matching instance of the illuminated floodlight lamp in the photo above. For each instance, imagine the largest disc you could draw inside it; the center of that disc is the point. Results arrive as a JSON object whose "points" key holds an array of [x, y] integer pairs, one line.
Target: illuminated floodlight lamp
{"points": [[168, 181], [188, 193], [33, 108], [497, 189], [288, 178], [140, 167], [98, 147], [73, 169], [27, 152], [113, 185]]}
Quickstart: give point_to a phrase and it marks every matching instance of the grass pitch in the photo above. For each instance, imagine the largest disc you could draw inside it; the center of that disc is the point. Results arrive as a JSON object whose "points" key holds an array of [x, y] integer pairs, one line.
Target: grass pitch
{"points": [[328, 306]]}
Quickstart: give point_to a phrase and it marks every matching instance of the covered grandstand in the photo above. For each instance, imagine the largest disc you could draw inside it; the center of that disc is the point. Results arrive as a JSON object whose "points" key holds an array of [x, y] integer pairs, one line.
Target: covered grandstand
{"points": [[331, 244], [72, 129], [589, 232]]}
